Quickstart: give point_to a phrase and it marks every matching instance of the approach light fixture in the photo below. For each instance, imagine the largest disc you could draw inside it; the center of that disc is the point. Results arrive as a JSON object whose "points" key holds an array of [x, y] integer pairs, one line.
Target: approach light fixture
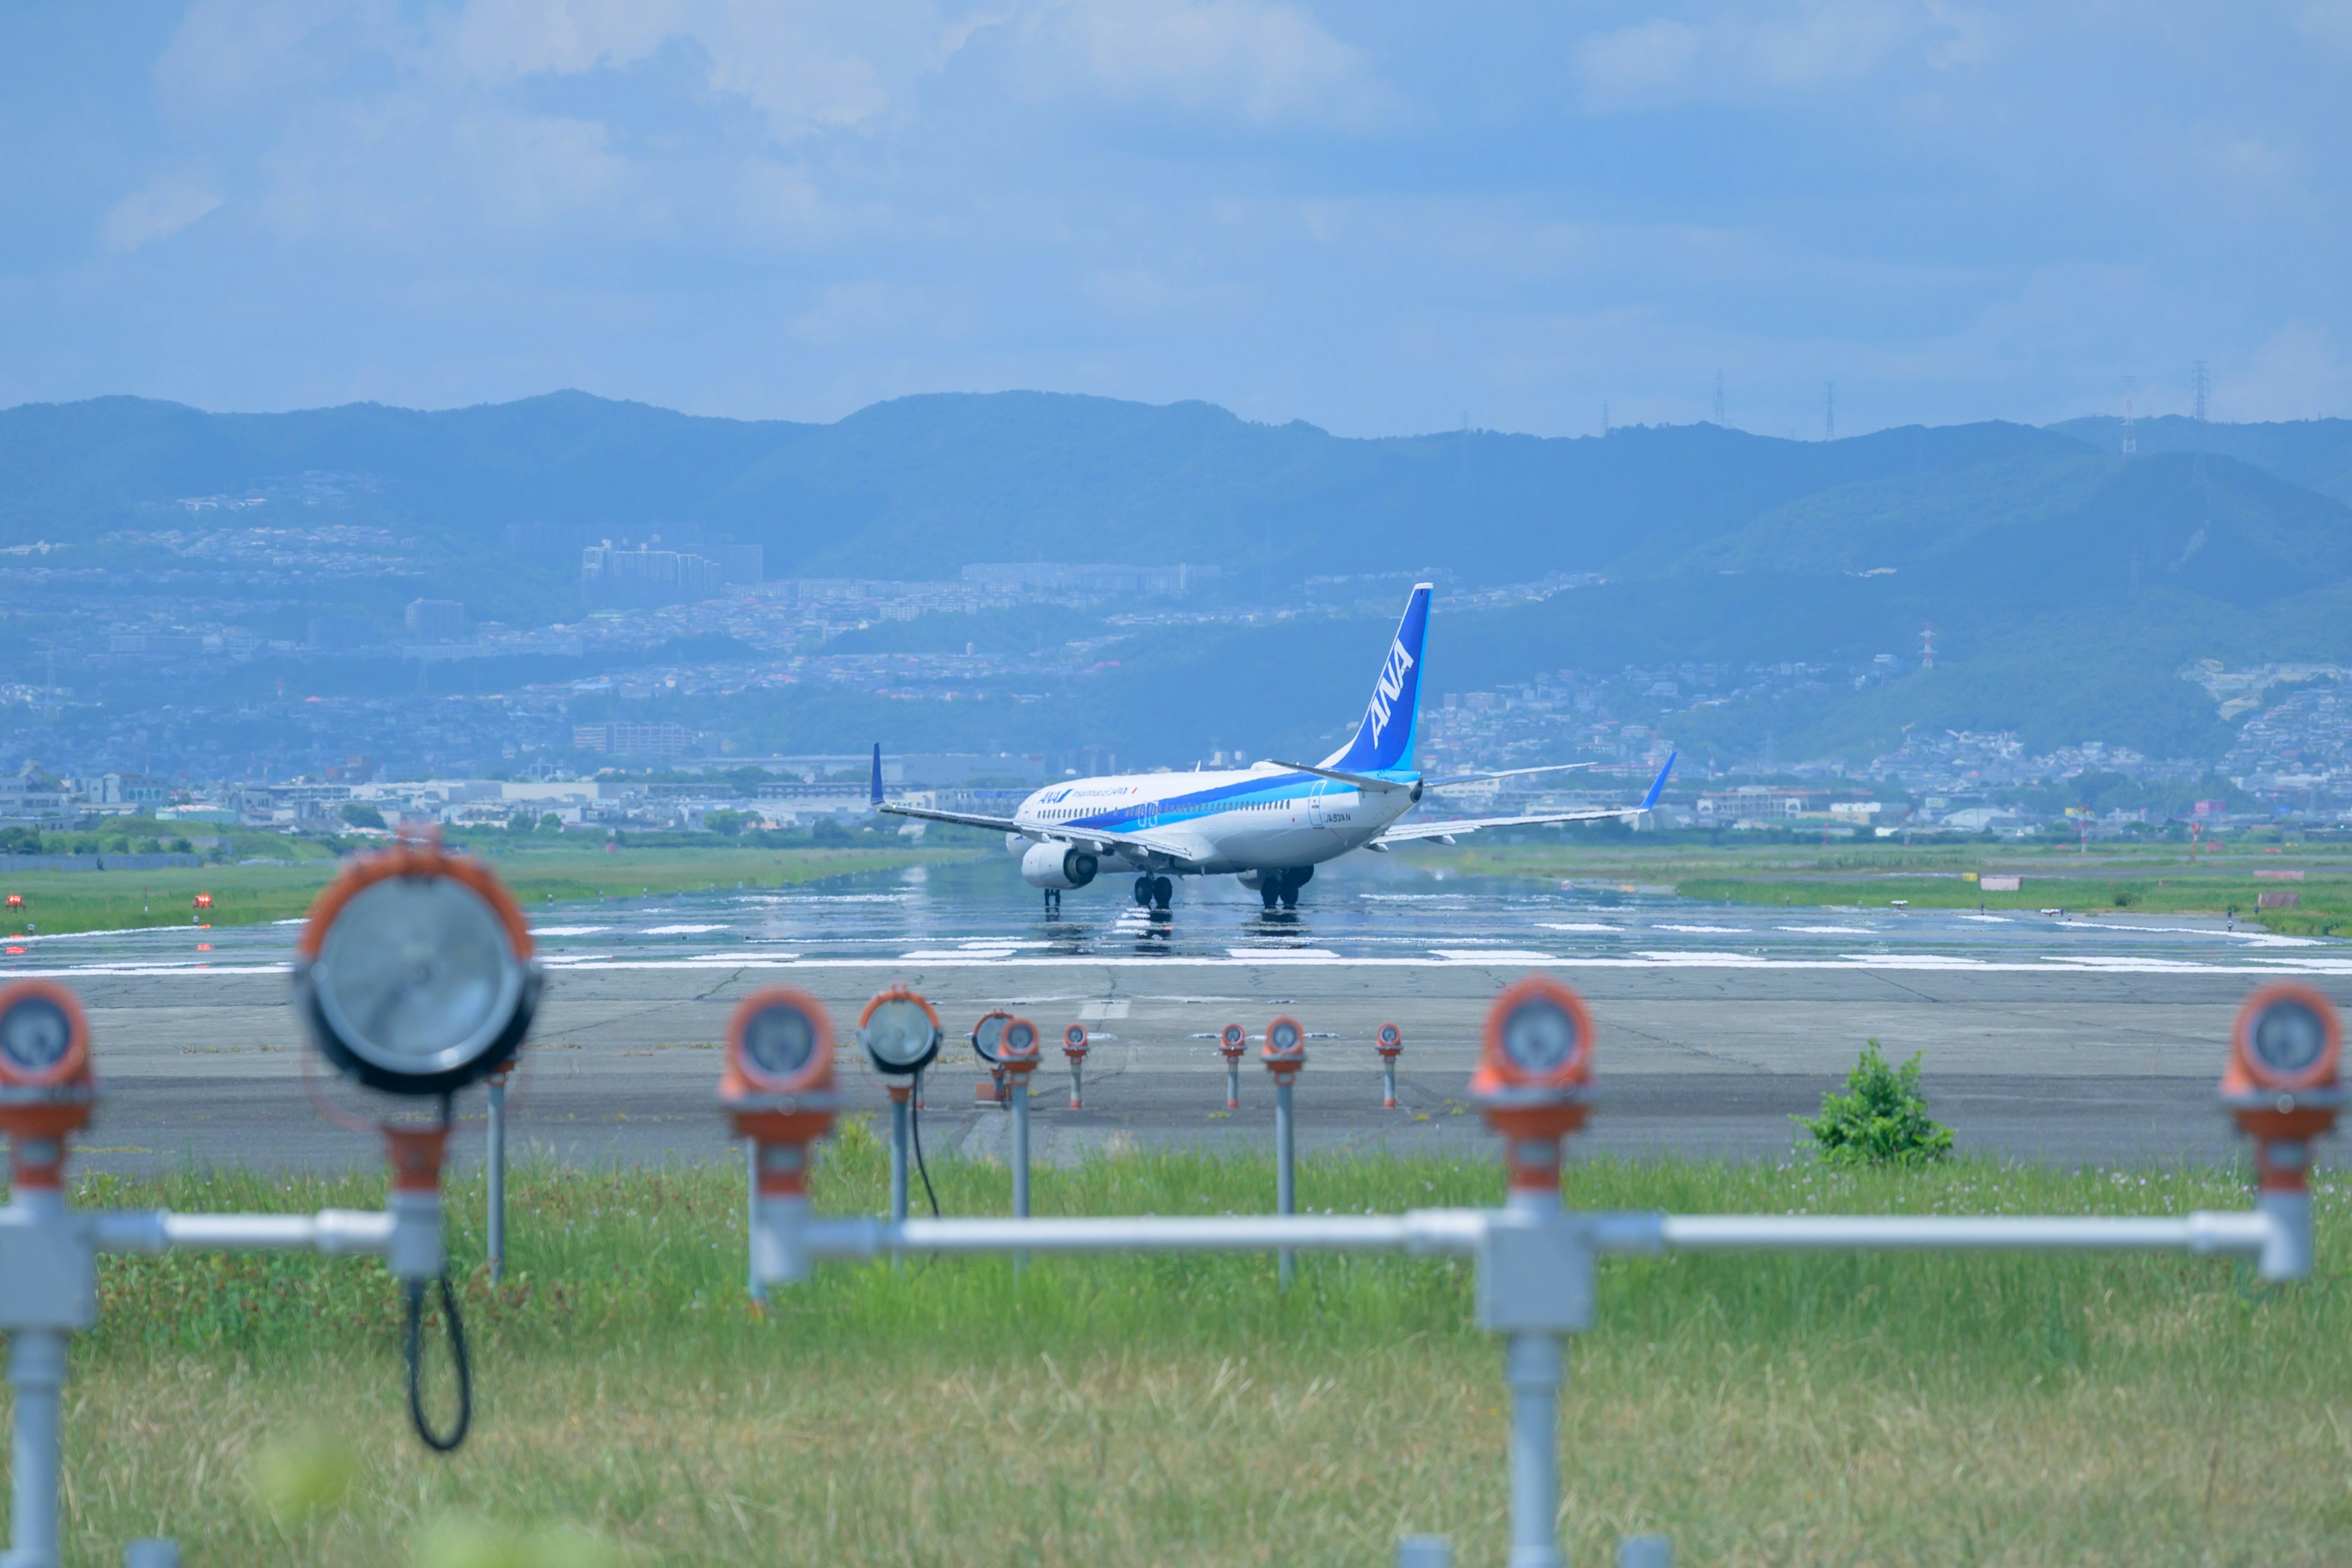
{"points": [[415, 972], [901, 1032]]}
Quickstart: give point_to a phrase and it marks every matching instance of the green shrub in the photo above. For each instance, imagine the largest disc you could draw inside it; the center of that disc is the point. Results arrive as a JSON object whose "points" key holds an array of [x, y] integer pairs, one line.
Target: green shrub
{"points": [[1881, 1119]]}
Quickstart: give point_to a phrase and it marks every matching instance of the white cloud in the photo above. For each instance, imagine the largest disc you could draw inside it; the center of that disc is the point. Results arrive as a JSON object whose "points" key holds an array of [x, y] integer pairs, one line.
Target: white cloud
{"points": [[160, 208], [1264, 64], [2295, 374], [1796, 49], [2330, 21]]}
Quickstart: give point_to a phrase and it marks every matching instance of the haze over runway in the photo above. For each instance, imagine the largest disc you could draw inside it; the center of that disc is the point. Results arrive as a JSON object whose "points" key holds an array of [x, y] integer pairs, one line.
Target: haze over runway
{"points": [[2045, 1037]]}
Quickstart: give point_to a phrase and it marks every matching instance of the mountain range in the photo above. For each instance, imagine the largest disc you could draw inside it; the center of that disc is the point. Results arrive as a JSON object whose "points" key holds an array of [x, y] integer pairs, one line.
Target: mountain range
{"points": [[2068, 583]]}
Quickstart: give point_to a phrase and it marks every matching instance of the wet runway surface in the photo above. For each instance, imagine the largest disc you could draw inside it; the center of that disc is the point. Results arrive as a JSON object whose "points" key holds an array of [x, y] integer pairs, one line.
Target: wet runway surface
{"points": [[2047, 1039]]}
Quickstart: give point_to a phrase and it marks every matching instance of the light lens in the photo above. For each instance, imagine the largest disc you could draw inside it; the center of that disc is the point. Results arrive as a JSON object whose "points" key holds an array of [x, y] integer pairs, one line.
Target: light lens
{"points": [[418, 976], [2288, 1036], [1020, 1037], [1074, 1036], [1538, 1036], [780, 1040], [36, 1034], [1232, 1036], [899, 1035], [988, 1034], [1388, 1033], [1284, 1036]]}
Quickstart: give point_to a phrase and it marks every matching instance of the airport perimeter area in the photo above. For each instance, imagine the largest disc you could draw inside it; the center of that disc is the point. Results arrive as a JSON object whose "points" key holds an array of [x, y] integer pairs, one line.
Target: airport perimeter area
{"points": [[2079, 1066]]}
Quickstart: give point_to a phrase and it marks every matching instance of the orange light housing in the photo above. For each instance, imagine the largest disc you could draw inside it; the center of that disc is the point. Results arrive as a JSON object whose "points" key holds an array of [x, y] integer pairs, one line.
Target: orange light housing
{"points": [[778, 1085], [1016, 1051], [1285, 1040], [2283, 1085], [1233, 1040], [46, 1089], [1535, 1071], [1389, 1039], [1074, 1040]]}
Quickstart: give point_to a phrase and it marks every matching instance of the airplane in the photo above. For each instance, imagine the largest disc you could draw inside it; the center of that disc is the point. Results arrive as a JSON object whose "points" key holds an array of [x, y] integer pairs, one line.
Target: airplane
{"points": [[1270, 823]]}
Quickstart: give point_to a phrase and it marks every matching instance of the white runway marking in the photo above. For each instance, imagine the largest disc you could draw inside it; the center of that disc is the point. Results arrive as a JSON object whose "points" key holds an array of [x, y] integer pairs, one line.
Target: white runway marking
{"points": [[569, 931], [1580, 926], [1492, 955], [1705, 930], [681, 931], [1830, 931]]}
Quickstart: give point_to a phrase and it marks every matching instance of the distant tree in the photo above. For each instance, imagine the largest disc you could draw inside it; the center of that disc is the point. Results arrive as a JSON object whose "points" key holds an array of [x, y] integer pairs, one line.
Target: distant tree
{"points": [[360, 813], [550, 823]]}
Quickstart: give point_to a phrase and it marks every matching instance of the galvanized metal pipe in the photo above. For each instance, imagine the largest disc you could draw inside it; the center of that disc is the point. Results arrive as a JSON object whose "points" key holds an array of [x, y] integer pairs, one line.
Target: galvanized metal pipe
{"points": [[1232, 1083], [1533, 1364], [494, 1159], [329, 1231], [1285, 1171], [37, 1373], [756, 1286], [1421, 1232], [897, 1156], [2199, 1234]]}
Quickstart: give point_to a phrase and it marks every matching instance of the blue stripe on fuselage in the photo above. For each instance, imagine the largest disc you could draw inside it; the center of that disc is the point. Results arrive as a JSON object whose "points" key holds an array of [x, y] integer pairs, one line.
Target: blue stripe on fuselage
{"points": [[1273, 786]]}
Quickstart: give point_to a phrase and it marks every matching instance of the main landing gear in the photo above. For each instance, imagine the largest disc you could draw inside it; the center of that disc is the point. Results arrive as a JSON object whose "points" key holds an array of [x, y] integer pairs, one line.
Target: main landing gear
{"points": [[1053, 902], [1283, 885], [1153, 892]]}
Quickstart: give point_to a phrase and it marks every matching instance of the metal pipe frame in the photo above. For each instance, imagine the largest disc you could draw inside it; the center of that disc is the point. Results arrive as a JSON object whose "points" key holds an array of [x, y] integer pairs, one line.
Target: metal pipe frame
{"points": [[494, 1161], [1286, 1170], [1535, 1270]]}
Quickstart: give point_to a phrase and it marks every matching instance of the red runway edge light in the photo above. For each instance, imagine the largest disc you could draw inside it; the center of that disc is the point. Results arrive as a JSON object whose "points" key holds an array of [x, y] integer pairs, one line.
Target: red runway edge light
{"points": [[1534, 1080]]}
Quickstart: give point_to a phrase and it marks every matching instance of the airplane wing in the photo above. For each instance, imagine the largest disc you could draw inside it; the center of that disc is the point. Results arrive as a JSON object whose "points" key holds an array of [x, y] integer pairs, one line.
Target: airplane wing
{"points": [[960, 818], [1506, 773], [1361, 780], [1405, 833], [1101, 841]]}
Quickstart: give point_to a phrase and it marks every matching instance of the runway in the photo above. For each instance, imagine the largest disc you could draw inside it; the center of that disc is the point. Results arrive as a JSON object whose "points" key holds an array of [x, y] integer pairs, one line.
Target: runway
{"points": [[2044, 1039]]}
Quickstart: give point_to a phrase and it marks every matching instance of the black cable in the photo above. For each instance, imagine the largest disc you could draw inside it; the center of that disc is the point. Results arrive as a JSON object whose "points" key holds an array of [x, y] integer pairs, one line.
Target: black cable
{"points": [[915, 1122], [412, 1348]]}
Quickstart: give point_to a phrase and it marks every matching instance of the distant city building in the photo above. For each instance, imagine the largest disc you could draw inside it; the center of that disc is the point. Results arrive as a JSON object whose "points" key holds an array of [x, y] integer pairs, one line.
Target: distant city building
{"points": [[126, 789], [337, 633], [631, 740], [1056, 576], [436, 620], [742, 563], [615, 578]]}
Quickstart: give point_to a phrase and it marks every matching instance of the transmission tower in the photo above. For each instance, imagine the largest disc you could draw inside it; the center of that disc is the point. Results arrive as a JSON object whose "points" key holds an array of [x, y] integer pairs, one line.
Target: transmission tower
{"points": [[2131, 442], [1927, 646], [2199, 384], [1829, 411], [1721, 422]]}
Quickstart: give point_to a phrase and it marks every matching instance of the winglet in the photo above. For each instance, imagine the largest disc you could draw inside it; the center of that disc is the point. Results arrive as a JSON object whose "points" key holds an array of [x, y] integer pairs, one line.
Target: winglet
{"points": [[877, 783], [1657, 785]]}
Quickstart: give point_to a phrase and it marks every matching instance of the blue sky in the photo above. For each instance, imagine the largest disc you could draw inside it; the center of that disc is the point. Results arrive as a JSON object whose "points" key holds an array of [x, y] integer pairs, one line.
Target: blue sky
{"points": [[1377, 218]]}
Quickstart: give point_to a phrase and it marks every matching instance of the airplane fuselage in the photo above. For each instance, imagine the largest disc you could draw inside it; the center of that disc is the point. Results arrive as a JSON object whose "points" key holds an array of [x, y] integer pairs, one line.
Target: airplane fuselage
{"points": [[1264, 819]]}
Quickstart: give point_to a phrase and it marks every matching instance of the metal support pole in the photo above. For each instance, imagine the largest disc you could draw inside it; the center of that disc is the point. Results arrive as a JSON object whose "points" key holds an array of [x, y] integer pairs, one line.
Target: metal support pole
{"points": [[1020, 1160], [1388, 1083], [897, 1153], [37, 1372], [1077, 1083], [1232, 1083], [495, 1162], [1533, 1364], [1286, 1172], [757, 1288]]}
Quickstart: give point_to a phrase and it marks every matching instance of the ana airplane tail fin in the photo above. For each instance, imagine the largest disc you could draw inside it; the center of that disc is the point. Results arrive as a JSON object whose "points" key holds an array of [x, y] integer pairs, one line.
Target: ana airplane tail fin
{"points": [[1384, 742], [876, 785]]}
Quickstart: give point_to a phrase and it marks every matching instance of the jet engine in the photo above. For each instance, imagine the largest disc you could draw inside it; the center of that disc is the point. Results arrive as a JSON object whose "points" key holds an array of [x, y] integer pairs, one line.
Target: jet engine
{"points": [[1058, 866]]}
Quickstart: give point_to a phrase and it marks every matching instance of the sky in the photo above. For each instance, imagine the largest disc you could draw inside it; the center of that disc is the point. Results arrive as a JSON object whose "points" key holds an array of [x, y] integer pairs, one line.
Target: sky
{"points": [[1381, 218]]}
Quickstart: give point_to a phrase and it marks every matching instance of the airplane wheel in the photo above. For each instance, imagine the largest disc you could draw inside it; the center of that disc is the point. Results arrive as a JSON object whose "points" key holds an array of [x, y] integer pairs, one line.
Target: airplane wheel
{"points": [[1162, 891], [1268, 893], [1289, 895], [1143, 892]]}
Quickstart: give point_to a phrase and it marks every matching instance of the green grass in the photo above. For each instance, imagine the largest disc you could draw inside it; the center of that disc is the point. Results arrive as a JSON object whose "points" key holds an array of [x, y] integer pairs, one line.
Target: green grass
{"points": [[2141, 878], [247, 895], [1892, 1409]]}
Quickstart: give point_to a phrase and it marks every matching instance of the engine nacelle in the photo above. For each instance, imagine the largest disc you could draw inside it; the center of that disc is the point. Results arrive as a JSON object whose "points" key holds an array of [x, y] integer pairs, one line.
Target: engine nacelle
{"points": [[1058, 866]]}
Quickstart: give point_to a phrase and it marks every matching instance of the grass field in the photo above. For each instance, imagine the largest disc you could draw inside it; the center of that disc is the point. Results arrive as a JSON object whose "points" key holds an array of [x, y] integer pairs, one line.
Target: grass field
{"points": [[2143, 878], [246, 895], [1886, 1410]]}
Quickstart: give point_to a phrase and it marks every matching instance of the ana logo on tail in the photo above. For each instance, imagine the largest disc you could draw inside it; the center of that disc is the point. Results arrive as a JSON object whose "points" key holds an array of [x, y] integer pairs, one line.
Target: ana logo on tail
{"points": [[1389, 687]]}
